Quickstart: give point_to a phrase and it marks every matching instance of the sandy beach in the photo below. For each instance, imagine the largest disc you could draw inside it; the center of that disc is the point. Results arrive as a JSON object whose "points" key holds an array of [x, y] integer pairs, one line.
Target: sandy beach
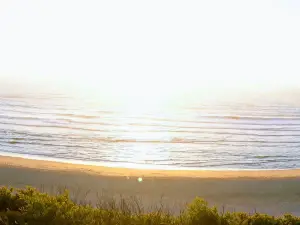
{"points": [[271, 191]]}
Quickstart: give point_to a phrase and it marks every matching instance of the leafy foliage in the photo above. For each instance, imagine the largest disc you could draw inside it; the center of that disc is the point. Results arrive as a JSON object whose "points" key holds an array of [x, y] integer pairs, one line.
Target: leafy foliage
{"points": [[31, 207]]}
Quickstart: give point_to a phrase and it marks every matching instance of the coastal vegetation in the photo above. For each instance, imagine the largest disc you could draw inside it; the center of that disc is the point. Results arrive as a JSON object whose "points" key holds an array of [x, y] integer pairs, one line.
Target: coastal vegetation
{"points": [[29, 206]]}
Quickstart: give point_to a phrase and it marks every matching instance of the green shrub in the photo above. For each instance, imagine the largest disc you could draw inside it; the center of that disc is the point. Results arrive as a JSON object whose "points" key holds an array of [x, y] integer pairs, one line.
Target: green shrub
{"points": [[30, 207]]}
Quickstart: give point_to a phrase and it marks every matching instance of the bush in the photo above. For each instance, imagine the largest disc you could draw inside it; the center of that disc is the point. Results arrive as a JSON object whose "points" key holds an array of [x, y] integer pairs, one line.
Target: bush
{"points": [[30, 207]]}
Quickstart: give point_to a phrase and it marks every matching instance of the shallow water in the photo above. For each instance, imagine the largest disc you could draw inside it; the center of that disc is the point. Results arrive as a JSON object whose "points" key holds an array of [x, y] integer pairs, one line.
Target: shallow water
{"points": [[223, 135]]}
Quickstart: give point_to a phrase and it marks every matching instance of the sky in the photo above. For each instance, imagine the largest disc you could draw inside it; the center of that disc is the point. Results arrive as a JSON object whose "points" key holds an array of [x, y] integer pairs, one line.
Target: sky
{"points": [[150, 48]]}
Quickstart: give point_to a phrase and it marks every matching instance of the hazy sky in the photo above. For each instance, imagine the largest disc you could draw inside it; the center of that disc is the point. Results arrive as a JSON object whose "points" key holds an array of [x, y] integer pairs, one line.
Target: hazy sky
{"points": [[160, 46]]}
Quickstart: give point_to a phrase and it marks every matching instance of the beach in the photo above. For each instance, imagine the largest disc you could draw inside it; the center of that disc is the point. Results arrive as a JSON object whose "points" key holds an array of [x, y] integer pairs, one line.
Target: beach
{"points": [[267, 191]]}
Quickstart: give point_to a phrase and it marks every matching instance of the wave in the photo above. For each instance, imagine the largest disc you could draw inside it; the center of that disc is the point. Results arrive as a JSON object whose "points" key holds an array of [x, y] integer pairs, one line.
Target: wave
{"points": [[173, 128], [24, 137], [238, 117], [202, 129], [173, 140], [15, 142], [77, 115], [269, 156]]}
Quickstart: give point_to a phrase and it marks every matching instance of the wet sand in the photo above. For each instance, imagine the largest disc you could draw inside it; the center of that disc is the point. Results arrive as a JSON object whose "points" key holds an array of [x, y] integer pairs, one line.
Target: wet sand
{"points": [[272, 191]]}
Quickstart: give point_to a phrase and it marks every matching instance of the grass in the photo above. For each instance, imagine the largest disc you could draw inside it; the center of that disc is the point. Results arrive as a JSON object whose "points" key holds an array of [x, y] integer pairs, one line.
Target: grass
{"points": [[32, 207]]}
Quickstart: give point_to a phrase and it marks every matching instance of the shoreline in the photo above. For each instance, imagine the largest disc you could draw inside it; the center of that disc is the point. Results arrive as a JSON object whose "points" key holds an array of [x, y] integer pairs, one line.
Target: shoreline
{"points": [[130, 165], [42, 164]]}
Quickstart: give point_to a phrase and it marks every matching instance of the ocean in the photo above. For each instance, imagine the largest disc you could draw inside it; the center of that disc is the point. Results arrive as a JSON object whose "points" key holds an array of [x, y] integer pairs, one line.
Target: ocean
{"points": [[203, 135]]}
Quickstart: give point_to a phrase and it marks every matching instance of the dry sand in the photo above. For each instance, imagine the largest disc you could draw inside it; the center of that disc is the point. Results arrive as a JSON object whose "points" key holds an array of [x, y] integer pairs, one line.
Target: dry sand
{"points": [[275, 192]]}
